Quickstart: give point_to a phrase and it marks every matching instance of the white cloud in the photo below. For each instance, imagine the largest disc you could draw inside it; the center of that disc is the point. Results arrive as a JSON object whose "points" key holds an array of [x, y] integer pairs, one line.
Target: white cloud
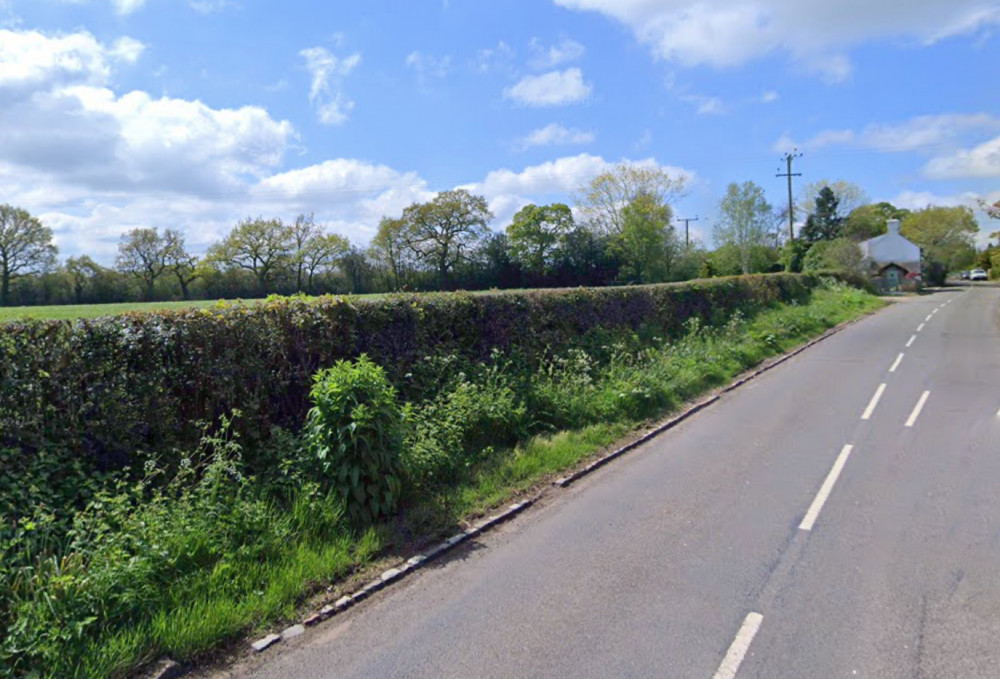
{"points": [[555, 135], [210, 6], [328, 72], [499, 58], [705, 105], [732, 32], [426, 65], [549, 57], [981, 161], [127, 6], [556, 88], [769, 97], [507, 191], [922, 133]]}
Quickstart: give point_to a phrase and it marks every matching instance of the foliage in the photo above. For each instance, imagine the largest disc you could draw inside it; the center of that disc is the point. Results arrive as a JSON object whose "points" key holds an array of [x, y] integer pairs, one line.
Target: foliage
{"points": [[446, 230], [25, 247], [648, 241], [945, 236], [354, 432], [603, 200], [264, 247], [536, 234], [112, 391], [849, 197], [746, 221], [143, 253], [868, 221], [842, 254], [824, 222]]}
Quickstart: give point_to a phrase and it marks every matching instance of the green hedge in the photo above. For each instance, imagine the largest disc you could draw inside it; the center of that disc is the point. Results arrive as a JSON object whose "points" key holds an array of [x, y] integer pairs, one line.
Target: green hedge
{"points": [[114, 389]]}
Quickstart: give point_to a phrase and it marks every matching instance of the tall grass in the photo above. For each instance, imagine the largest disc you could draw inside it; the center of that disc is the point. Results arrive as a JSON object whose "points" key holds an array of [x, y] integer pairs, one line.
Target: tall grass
{"points": [[176, 562]]}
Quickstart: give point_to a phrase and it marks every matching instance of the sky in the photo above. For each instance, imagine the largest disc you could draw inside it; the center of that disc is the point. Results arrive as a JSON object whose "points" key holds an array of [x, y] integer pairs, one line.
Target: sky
{"points": [[195, 114]]}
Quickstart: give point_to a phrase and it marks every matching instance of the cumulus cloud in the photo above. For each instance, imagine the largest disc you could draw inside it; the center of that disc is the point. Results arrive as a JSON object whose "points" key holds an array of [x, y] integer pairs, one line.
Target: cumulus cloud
{"points": [[328, 72], [705, 105], [556, 88], [817, 32], [507, 191], [555, 135], [495, 59]]}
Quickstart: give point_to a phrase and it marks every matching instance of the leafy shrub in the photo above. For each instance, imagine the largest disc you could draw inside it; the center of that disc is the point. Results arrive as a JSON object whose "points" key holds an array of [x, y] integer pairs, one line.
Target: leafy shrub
{"points": [[354, 433]]}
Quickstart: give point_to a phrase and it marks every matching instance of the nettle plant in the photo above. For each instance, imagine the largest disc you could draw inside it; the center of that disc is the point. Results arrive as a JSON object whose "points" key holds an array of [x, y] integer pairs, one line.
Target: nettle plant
{"points": [[354, 432]]}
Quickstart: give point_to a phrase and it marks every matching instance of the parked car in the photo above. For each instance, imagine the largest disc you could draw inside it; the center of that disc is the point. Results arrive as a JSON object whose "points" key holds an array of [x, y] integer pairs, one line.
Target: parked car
{"points": [[977, 275], [964, 275]]}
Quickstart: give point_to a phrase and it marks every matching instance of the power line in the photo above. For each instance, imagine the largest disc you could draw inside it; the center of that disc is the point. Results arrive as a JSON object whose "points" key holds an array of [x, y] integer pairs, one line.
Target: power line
{"points": [[789, 157], [687, 220]]}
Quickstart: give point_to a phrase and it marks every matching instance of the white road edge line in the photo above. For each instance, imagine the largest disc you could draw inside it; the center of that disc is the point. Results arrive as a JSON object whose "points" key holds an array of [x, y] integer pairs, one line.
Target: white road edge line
{"points": [[867, 415], [916, 409], [911, 341], [899, 359], [920, 327], [738, 649], [824, 491]]}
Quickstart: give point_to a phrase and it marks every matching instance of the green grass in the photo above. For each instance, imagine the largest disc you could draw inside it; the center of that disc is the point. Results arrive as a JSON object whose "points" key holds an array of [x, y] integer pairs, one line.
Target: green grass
{"points": [[74, 311], [271, 558]]}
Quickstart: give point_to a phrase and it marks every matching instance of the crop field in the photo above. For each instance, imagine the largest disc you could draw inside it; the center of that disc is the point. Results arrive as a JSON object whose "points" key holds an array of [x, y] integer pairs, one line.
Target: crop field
{"points": [[72, 311]]}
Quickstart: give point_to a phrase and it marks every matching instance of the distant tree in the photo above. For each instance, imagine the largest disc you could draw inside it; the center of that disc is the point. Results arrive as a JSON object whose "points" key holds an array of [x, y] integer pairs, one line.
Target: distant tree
{"points": [[179, 261], [359, 274], [842, 254], [648, 241], [26, 247], [869, 221], [446, 230], [946, 237], [263, 247], [142, 253], [322, 253], [604, 199], [388, 250], [536, 234], [745, 222], [824, 222], [849, 195]]}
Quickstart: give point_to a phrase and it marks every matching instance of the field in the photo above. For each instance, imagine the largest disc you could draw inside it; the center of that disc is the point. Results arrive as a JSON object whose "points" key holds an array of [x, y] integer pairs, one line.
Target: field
{"points": [[71, 311]]}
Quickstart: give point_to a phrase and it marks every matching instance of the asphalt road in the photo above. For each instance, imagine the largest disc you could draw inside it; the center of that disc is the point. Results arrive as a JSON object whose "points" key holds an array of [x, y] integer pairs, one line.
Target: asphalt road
{"points": [[813, 523]]}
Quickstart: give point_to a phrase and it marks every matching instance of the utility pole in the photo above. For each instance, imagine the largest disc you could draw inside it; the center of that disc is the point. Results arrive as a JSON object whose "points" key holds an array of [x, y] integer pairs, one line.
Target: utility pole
{"points": [[688, 220], [789, 157]]}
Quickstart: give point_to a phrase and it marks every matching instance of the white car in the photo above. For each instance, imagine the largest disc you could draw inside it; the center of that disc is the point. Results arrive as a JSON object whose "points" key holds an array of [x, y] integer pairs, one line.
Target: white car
{"points": [[977, 275]]}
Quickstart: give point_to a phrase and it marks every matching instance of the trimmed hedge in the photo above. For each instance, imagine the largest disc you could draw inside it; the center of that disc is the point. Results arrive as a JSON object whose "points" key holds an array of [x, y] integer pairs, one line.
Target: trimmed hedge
{"points": [[114, 389]]}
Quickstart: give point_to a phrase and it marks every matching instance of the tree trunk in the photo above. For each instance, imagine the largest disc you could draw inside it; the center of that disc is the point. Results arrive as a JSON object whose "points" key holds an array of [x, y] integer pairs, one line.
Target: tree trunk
{"points": [[5, 288]]}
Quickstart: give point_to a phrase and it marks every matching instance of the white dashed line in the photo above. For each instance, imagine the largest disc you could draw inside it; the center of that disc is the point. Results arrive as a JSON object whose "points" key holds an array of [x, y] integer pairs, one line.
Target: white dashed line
{"points": [[928, 317], [824, 492], [738, 650], [899, 359], [920, 327], [867, 415], [916, 410], [911, 341]]}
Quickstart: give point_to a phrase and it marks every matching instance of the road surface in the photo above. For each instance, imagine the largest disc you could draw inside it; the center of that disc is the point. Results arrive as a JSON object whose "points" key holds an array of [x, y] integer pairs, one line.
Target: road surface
{"points": [[837, 517]]}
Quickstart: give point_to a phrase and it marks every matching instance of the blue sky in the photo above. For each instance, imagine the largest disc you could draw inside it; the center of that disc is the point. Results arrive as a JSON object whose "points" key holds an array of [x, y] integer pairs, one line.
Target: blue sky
{"points": [[193, 114]]}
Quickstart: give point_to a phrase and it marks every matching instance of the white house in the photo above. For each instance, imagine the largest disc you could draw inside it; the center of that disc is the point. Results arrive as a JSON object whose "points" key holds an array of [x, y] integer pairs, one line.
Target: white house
{"points": [[893, 259]]}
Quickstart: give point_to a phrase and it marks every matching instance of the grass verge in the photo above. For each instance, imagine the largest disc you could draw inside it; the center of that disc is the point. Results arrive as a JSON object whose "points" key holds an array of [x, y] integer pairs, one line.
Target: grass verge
{"points": [[181, 567]]}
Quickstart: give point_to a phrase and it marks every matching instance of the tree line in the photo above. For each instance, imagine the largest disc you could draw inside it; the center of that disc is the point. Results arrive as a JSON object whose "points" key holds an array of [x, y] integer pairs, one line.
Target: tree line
{"points": [[621, 232]]}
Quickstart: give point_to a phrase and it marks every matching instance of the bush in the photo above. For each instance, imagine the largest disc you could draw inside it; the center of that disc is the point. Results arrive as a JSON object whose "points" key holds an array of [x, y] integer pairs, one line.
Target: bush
{"points": [[354, 432], [113, 391]]}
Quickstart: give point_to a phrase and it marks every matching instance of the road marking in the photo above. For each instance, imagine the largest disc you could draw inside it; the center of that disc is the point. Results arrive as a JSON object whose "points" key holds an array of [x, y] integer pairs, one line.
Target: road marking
{"points": [[936, 310], [824, 491], [916, 410], [738, 650], [867, 415], [899, 359], [911, 341], [920, 327], [928, 317]]}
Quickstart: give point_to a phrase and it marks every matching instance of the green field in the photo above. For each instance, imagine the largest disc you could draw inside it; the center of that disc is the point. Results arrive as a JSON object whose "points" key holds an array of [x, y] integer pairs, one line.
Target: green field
{"points": [[71, 311]]}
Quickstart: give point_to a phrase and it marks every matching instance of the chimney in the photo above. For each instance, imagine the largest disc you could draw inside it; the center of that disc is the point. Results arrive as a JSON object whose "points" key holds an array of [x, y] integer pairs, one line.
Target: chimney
{"points": [[893, 225]]}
